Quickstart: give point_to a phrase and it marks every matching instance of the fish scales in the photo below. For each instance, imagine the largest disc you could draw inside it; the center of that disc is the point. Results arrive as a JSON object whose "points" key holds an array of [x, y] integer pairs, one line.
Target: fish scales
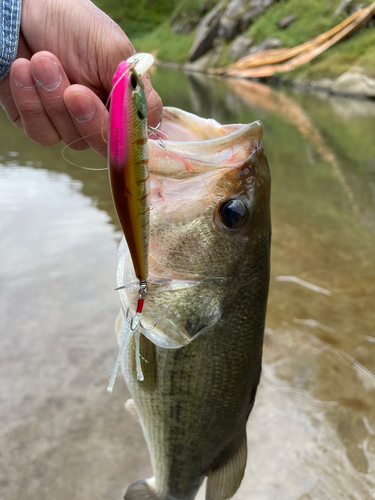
{"points": [[196, 400], [197, 394]]}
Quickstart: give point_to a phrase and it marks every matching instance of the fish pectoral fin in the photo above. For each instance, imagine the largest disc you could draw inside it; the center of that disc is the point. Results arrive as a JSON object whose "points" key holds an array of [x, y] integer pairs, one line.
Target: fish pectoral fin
{"points": [[140, 490], [131, 407], [223, 482]]}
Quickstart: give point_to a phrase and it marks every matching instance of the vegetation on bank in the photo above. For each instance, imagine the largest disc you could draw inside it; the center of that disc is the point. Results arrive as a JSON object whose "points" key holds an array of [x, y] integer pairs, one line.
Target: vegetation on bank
{"points": [[138, 17], [313, 18], [165, 44], [149, 25]]}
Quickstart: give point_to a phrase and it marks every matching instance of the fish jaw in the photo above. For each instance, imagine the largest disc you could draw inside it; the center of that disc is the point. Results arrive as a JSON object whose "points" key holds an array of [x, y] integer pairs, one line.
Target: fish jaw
{"points": [[202, 262]]}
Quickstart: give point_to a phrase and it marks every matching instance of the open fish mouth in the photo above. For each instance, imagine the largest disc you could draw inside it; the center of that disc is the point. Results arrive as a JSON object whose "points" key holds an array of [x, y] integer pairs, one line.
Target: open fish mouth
{"points": [[196, 165]]}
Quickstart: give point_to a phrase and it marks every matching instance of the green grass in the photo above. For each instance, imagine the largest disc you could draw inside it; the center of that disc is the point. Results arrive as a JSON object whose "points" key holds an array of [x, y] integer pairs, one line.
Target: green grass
{"points": [[313, 18], [357, 50], [191, 7], [165, 44], [138, 17]]}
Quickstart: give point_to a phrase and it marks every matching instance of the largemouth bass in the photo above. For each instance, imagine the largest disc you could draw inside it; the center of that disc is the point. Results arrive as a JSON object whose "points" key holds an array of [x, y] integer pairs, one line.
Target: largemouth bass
{"points": [[209, 259]]}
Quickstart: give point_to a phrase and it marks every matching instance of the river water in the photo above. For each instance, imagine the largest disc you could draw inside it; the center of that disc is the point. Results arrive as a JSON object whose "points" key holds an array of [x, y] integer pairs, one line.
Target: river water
{"points": [[311, 434]]}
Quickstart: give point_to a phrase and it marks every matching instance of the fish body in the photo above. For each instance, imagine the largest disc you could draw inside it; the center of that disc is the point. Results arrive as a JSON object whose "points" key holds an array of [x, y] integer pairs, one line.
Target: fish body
{"points": [[128, 162], [210, 236]]}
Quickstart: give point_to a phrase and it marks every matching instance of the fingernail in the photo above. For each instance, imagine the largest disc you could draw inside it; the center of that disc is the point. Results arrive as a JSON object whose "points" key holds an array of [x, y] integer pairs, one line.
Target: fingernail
{"points": [[46, 73], [80, 106], [23, 78]]}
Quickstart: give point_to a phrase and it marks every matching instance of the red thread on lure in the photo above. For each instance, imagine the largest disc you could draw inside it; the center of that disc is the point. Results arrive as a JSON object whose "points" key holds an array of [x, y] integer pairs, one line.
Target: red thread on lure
{"points": [[140, 305]]}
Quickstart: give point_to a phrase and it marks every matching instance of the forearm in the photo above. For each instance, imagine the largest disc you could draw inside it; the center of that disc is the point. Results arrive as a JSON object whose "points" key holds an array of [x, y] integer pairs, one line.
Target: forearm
{"points": [[10, 17]]}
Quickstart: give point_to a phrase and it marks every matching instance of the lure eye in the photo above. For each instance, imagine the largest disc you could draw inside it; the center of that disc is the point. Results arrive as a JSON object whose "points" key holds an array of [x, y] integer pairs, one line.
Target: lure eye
{"points": [[234, 214], [133, 82]]}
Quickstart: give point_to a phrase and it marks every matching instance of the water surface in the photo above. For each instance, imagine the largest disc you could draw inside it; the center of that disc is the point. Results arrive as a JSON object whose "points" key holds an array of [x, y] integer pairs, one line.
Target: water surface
{"points": [[312, 431]]}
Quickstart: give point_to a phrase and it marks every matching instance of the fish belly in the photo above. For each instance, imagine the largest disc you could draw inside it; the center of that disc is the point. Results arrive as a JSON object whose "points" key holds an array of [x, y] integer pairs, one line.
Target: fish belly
{"points": [[194, 402]]}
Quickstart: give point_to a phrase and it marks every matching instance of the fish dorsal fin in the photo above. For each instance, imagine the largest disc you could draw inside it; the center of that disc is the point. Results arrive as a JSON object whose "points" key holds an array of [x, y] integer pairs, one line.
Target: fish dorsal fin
{"points": [[131, 407], [222, 483]]}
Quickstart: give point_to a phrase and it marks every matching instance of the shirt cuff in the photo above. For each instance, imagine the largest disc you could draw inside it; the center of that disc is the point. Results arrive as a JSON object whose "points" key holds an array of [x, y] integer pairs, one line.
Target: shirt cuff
{"points": [[10, 18]]}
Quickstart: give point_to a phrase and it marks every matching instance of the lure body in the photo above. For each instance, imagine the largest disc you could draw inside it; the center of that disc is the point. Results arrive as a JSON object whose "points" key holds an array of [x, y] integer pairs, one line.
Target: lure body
{"points": [[128, 162]]}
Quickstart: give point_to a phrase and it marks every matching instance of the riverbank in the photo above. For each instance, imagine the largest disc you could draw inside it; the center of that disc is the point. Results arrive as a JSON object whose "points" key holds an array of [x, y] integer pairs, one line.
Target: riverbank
{"points": [[196, 39], [209, 35], [353, 83]]}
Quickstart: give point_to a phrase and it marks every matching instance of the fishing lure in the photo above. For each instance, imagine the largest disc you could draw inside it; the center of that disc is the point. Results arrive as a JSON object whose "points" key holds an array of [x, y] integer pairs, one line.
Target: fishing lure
{"points": [[128, 164]]}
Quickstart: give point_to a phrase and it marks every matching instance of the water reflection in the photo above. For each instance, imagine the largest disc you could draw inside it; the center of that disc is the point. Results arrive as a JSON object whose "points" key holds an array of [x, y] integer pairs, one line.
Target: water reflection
{"points": [[312, 432]]}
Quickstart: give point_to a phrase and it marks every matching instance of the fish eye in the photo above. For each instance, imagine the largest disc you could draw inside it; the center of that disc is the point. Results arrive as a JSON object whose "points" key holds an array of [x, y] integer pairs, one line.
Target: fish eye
{"points": [[133, 82], [234, 214]]}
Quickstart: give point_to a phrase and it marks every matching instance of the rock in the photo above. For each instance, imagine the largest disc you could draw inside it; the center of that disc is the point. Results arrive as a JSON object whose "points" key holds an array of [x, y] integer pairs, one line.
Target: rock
{"points": [[355, 82], [343, 6], [239, 47], [238, 16], [184, 24], [225, 21], [230, 20], [286, 21], [266, 44], [207, 61], [254, 9], [355, 7], [206, 32], [205, 7]]}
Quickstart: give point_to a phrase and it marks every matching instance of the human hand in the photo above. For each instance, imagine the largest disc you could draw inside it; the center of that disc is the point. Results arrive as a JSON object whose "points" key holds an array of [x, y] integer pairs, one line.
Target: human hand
{"points": [[68, 52]]}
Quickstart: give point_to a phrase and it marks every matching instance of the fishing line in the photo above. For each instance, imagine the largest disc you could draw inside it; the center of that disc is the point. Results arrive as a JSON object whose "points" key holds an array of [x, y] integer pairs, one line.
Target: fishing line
{"points": [[152, 281], [76, 164]]}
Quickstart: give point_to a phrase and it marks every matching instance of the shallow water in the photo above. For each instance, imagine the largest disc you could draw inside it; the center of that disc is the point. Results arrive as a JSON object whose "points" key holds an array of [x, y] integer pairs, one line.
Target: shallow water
{"points": [[312, 431]]}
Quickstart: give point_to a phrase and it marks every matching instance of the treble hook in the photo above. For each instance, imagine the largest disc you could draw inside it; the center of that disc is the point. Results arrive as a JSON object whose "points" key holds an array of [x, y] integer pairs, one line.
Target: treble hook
{"points": [[147, 329], [154, 129], [161, 119], [130, 319]]}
